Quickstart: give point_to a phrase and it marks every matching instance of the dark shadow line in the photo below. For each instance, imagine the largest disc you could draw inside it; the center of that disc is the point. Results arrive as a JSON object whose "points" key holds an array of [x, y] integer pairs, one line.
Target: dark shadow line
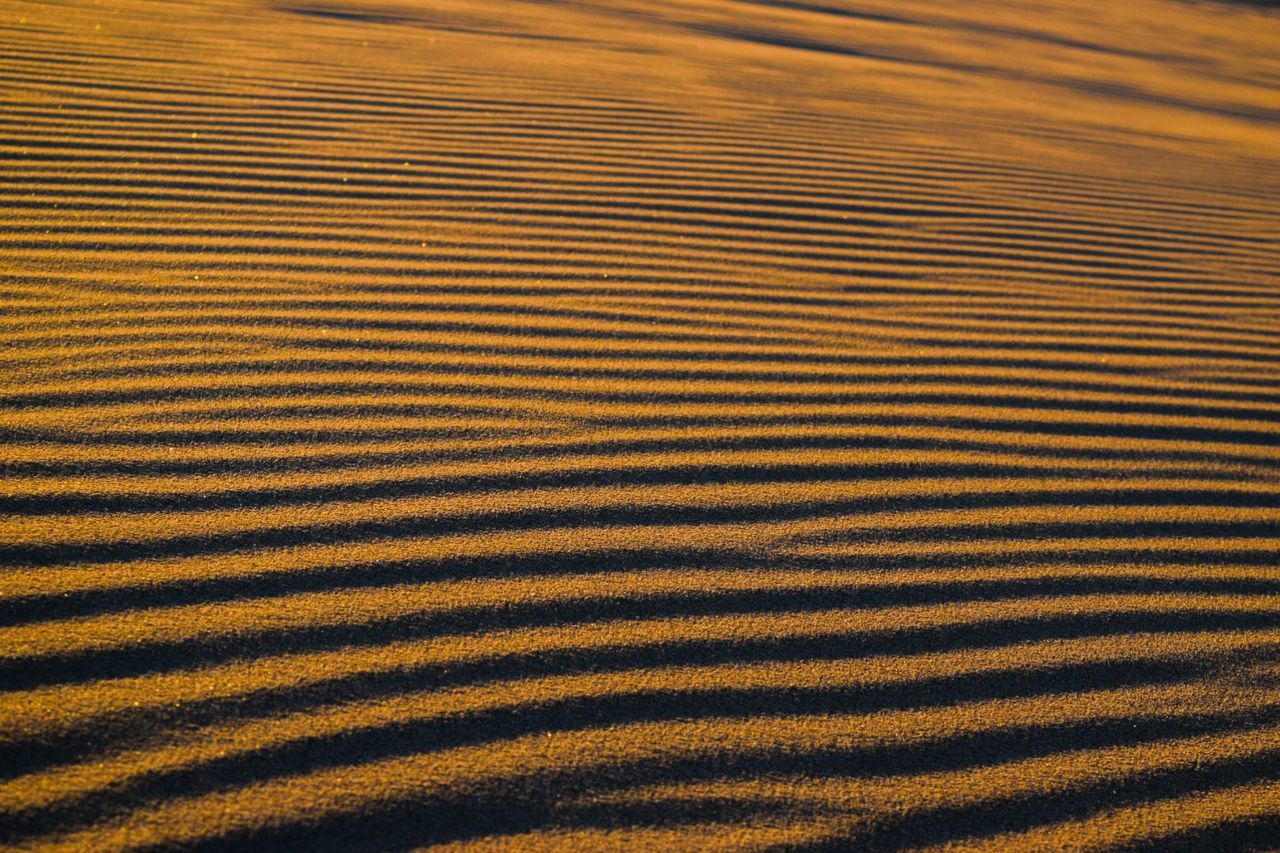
{"points": [[620, 516], [439, 733], [130, 727], [31, 609], [67, 504], [579, 449]]}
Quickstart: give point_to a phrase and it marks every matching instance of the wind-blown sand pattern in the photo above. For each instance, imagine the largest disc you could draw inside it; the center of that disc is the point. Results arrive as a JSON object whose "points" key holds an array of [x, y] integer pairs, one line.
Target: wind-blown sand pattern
{"points": [[846, 424]]}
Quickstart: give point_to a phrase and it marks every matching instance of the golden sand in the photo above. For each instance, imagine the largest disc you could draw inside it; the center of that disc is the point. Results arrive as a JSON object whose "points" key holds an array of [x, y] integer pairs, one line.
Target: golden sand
{"points": [[642, 424]]}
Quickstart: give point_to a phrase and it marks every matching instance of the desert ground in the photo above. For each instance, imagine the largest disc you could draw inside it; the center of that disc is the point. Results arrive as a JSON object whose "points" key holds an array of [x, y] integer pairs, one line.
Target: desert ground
{"points": [[639, 424]]}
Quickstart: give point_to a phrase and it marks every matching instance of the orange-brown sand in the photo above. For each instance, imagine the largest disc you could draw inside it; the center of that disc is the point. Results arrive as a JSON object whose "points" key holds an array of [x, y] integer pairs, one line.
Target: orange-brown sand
{"points": [[644, 424]]}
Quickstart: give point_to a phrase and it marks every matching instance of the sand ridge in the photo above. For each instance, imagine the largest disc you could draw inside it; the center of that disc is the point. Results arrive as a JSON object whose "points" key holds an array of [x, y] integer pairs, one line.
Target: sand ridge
{"points": [[730, 424]]}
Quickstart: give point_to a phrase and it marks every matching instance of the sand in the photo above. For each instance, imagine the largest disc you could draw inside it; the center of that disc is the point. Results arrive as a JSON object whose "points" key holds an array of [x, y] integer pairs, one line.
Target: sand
{"points": [[646, 424]]}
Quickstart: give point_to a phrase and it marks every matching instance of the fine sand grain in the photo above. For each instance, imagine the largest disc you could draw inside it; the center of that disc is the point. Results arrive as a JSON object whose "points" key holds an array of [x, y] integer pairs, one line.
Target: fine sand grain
{"points": [[660, 424]]}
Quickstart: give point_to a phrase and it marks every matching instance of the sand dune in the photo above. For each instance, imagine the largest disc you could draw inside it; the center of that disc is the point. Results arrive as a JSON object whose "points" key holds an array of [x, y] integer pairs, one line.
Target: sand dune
{"points": [[727, 424]]}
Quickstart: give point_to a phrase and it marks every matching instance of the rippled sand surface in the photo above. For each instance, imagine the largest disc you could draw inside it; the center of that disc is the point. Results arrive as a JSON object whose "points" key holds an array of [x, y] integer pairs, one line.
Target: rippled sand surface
{"points": [[660, 424]]}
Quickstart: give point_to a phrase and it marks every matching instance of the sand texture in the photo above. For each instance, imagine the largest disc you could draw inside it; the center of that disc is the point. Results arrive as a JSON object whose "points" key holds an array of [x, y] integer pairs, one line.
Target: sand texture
{"points": [[639, 424]]}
